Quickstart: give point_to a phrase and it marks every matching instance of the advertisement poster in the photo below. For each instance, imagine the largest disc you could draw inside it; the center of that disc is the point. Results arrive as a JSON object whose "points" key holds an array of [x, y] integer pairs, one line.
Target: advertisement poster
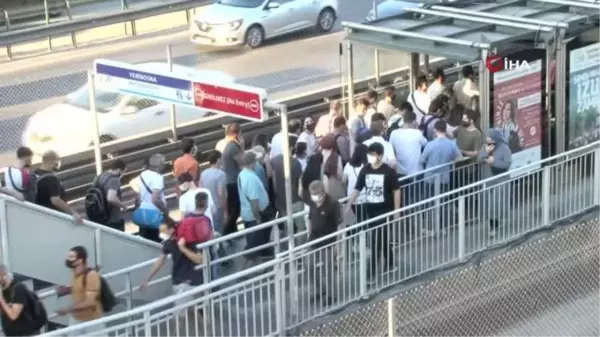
{"points": [[517, 112], [584, 91]]}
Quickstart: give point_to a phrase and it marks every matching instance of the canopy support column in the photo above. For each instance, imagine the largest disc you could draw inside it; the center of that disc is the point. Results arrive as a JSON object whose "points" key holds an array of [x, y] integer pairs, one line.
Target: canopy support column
{"points": [[484, 92]]}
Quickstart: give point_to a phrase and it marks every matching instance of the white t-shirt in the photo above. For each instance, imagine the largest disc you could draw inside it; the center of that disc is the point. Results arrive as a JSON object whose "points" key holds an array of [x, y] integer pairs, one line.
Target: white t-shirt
{"points": [[434, 90], [302, 162], [17, 178], [351, 174], [187, 203], [311, 142], [154, 181], [407, 145], [221, 145], [388, 151], [420, 102]]}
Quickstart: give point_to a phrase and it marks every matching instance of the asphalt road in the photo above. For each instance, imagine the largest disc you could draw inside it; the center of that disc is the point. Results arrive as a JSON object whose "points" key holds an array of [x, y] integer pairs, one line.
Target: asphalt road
{"points": [[285, 67]]}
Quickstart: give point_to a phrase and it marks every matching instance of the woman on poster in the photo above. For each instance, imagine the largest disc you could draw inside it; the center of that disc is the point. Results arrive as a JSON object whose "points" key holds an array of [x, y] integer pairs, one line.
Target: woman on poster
{"points": [[509, 126]]}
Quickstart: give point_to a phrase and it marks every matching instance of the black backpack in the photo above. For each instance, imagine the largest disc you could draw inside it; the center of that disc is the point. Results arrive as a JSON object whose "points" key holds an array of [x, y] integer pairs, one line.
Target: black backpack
{"points": [[107, 297], [29, 192], [313, 170], [96, 205], [38, 315]]}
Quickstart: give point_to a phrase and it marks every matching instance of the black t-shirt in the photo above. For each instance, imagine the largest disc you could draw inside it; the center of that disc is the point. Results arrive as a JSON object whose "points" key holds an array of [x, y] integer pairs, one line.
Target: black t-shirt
{"points": [[48, 186], [379, 185], [183, 268], [18, 293]]}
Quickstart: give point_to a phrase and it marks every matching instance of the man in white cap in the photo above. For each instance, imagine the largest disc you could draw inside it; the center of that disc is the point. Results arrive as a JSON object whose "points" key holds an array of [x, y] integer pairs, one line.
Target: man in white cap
{"points": [[308, 136]]}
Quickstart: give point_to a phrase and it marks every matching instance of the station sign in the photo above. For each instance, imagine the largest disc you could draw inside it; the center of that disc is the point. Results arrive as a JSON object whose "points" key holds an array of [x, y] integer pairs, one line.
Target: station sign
{"points": [[181, 89]]}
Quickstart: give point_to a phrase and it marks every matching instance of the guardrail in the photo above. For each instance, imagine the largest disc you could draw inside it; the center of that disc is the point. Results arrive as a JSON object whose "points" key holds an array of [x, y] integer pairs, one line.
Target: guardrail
{"points": [[7, 39], [284, 293]]}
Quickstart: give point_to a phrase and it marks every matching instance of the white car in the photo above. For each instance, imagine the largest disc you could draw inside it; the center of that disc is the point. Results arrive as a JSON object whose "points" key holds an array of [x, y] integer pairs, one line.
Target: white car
{"points": [[67, 127], [251, 22]]}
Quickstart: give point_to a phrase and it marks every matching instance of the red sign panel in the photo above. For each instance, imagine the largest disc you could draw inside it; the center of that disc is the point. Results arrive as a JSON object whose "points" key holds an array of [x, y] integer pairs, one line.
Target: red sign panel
{"points": [[239, 103]]}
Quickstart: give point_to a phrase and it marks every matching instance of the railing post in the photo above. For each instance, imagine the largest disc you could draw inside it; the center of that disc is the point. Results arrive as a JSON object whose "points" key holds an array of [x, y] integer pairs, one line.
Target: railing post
{"points": [[362, 263], [7, 21], [147, 325], [277, 240], [4, 233], [98, 246], [173, 116], [546, 190], [279, 305], [129, 290], [391, 317], [437, 184], [461, 229], [597, 177]]}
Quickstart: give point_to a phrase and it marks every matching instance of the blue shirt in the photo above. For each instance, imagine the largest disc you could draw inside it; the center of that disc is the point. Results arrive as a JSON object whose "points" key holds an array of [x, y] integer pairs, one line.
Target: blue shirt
{"points": [[262, 175], [251, 188], [440, 151]]}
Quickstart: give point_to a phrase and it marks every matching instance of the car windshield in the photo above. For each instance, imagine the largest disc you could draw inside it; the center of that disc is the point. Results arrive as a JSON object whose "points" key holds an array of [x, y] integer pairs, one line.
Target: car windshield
{"points": [[241, 3], [105, 101]]}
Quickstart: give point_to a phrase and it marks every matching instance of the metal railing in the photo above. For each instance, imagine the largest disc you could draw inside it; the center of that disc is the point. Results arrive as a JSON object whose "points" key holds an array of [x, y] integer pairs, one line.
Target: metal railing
{"points": [[132, 276], [327, 274], [7, 39]]}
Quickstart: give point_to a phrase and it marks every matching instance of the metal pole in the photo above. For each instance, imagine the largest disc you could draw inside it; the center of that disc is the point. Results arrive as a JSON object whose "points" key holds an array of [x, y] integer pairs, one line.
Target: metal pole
{"points": [[426, 64], [414, 70], [549, 59], [341, 67], [484, 92], [287, 172], [560, 88], [95, 126], [376, 56], [46, 12], [350, 80], [172, 107]]}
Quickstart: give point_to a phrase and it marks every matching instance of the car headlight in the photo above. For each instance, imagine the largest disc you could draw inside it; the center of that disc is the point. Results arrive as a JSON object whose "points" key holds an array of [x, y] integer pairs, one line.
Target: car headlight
{"points": [[235, 25]]}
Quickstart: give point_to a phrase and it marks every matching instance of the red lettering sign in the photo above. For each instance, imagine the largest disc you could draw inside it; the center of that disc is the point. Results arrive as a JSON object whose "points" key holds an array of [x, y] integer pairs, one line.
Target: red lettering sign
{"points": [[244, 104]]}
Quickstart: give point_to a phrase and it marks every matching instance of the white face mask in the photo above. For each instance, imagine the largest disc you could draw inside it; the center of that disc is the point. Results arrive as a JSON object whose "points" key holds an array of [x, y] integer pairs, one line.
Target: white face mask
{"points": [[315, 198], [371, 159]]}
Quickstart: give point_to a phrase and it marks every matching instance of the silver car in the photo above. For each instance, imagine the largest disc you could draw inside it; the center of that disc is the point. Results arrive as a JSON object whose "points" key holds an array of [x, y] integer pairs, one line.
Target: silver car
{"points": [[251, 22]]}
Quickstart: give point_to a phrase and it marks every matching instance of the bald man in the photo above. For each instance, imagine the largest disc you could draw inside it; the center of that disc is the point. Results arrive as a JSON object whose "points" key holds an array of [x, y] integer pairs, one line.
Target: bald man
{"points": [[50, 192]]}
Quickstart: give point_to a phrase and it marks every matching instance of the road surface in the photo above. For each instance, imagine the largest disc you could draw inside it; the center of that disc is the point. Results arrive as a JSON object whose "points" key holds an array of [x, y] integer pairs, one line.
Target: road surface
{"points": [[285, 67]]}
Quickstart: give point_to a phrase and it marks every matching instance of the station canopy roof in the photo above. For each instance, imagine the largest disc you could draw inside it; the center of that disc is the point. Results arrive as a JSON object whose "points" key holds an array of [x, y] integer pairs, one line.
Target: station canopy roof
{"points": [[467, 34]]}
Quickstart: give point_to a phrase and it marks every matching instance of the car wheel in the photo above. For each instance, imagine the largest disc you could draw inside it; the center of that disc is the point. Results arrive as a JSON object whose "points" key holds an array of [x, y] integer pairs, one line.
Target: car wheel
{"points": [[326, 20], [255, 37]]}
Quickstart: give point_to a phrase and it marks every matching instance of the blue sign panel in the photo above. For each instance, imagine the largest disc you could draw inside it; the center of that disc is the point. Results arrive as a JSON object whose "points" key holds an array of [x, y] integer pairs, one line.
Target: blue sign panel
{"points": [[140, 81]]}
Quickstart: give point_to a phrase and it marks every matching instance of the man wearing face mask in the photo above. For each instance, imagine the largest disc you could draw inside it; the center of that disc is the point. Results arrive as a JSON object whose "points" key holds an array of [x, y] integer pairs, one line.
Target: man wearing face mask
{"points": [[50, 192], [187, 163], [382, 195], [325, 217], [84, 291], [17, 307]]}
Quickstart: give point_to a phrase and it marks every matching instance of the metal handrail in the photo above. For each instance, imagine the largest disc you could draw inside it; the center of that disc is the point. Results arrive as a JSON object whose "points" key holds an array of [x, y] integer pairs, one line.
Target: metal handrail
{"points": [[105, 19], [281, 258]]}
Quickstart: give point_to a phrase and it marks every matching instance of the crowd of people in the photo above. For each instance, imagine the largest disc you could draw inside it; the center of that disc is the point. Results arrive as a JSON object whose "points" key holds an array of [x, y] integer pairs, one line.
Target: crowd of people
{"points": [[384, 144]]}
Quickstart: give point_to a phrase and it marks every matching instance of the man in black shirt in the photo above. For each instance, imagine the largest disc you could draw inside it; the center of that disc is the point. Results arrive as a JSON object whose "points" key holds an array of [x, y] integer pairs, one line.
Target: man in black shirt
{"points": [[185, 257], [15, 306], [382, 192], [50, 192], [325, 216]]}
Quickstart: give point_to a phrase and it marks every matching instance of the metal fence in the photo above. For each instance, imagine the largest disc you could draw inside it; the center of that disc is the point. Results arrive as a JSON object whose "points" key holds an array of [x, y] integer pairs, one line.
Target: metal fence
{"points": [[325, 275], [546, 287]]}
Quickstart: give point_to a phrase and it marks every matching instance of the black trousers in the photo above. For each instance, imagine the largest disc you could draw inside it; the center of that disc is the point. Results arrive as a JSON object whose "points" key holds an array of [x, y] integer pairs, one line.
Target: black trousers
{"points": [[233, 204], [151, 234], [381, 247]]}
